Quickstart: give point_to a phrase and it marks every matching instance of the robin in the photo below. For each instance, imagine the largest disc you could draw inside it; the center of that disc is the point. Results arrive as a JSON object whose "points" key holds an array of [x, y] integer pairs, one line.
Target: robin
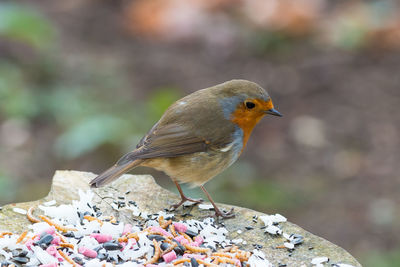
{"points": [[198, 136]]}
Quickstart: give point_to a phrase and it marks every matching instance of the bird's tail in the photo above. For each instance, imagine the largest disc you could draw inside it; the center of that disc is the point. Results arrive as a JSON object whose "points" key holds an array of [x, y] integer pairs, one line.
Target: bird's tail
{"points": [[114, 172]]}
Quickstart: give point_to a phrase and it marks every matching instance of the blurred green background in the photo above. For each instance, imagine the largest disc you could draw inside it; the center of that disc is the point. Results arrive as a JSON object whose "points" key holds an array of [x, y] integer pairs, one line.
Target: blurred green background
{"points": [[82, 80]]}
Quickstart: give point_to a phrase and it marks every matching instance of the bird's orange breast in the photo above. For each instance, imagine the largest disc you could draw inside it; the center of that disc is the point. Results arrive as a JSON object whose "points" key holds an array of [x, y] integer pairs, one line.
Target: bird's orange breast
{"points": [[247, 119]]}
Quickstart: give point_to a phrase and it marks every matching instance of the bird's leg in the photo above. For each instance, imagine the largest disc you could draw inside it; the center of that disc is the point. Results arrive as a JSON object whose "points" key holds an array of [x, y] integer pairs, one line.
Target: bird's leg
{"points": [[218, 212], [183, 198]]}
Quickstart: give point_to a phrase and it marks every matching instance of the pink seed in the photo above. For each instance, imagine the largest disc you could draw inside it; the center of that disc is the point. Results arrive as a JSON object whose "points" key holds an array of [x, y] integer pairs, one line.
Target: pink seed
{"points": [[196, 256], [180, 227], [160, 230], [127, 229], [56, 240], [51, 230], [199, 240], [181, 239], [101, 238], [29, 244], [52, 250], [87, 252], [49, 265], [170, 256]]}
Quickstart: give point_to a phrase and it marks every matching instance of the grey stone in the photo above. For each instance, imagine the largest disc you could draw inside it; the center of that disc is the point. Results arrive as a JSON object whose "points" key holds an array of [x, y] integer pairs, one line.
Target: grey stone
{"points": [[152, 198]]}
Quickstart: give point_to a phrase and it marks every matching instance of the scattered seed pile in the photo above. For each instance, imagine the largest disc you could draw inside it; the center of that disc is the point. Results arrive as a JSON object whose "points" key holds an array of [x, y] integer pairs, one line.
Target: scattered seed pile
{"points": [[79, 234]]}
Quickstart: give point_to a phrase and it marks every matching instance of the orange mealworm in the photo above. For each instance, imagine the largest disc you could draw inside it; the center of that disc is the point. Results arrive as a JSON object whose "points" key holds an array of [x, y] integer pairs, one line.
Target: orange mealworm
{"points": [[2, 234], [133, 235], [62, 238], [225, 260], [234, 249], [166, 224], [161, 220], [123, 239], [67, 258], [172, 230], [196, 249], [242, 255], [30, 216], [163, 224], [57, 226], [219, 254], [226, 249], [157, 253], [205, 263], [181, 261], [91, 218], [67, 245], [21, 237]]}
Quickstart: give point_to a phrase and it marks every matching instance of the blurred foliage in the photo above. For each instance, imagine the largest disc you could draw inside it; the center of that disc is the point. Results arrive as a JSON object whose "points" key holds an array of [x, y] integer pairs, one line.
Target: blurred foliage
{"points": [[16, 99], [26, 25], [160, 100]]}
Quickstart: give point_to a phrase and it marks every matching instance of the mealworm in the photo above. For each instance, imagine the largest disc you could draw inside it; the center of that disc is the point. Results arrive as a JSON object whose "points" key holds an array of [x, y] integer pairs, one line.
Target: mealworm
{"points": [[196, 249], [67, 245], [206, 263], [5, 233], [179, 261], [133, 235], [242, 255], [157, 253], [123, 239], [219, 254], [62, 238], [198, 261], [91, 218], [30, 216], [172, 230], [67, 258], [225, 260], [161, 220], [163, 223], [57, 226], [21, 237]]}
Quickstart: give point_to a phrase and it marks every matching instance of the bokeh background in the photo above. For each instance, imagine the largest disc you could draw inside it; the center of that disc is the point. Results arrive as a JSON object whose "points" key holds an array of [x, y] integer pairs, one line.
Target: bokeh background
{"points": [[82, 80]]}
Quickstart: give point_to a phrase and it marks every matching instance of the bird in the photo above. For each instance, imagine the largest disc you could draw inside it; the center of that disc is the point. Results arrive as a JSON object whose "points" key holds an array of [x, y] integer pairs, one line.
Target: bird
{"points": [[198, 136]]}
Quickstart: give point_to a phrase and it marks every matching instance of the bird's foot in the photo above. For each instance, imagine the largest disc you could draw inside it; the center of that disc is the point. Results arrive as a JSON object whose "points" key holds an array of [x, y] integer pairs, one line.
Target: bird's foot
{"points": [[223, 214], [183, 200]]}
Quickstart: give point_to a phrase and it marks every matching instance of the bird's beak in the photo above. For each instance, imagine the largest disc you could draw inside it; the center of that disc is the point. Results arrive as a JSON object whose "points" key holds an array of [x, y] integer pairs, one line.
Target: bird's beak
{"points": [[274, 112]]}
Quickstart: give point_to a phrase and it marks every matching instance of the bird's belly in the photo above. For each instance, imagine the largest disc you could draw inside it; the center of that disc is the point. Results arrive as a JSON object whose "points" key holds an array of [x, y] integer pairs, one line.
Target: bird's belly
{"points": [[195, 168]]}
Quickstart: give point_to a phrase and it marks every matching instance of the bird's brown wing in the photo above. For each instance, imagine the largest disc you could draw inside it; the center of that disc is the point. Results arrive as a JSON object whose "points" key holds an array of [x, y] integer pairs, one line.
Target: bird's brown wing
{"points": [[170, 140]]}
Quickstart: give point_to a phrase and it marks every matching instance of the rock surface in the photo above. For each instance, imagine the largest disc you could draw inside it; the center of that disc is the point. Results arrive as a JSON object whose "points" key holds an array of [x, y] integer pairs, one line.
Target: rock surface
{"points": [[151, 198]]}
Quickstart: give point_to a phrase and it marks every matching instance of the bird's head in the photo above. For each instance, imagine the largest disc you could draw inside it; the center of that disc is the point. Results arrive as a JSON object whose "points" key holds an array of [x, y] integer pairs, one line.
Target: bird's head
{"points": [[245, 103]]}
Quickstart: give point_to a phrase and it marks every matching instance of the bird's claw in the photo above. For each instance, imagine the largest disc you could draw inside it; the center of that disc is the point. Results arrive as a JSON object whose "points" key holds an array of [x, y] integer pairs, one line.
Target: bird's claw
{"points": [[183, 200], [225, 215]]}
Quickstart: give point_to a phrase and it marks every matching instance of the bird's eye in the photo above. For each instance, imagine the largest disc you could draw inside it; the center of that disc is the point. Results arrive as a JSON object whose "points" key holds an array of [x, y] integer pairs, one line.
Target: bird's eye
{"points": [[249, 104]]}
